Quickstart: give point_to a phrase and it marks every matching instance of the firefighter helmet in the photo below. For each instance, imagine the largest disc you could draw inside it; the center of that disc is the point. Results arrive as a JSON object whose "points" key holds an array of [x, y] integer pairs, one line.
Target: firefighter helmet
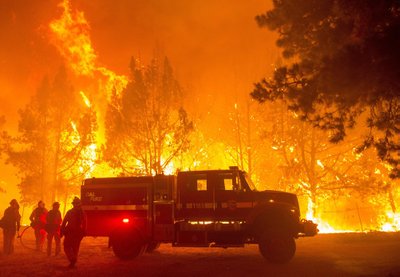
{"points": [[76, 201]]}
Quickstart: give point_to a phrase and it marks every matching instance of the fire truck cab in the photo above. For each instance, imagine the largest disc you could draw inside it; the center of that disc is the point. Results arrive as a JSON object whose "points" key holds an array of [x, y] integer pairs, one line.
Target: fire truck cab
{"points": [[210, 208]]}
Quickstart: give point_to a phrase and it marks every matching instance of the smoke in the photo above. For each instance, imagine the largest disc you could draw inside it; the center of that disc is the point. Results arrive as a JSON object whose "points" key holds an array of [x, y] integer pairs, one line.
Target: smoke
{"points": [[216, 48]]}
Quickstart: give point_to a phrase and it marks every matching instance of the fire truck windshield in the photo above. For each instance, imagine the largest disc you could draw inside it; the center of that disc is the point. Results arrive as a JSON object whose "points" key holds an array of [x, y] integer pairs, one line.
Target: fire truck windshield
{"points": [[246, 179]]}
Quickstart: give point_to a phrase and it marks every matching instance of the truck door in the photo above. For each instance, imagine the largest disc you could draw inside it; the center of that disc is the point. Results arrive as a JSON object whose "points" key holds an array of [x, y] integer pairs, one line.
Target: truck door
{"points": [[232, 201], [195, 200]]}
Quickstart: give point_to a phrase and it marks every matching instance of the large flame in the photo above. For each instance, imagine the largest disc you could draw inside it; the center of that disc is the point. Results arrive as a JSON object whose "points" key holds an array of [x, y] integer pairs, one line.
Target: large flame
{"points": [[70, 34], [71, 37], [391, 222], [323, 226], [88, 155], [387, 222]]}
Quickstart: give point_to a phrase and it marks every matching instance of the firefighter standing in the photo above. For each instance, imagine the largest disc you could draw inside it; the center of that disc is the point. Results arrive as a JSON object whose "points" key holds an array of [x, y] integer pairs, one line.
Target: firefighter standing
{"points": [[53, 223], [38, 222], [10, 224], [73, 228]]}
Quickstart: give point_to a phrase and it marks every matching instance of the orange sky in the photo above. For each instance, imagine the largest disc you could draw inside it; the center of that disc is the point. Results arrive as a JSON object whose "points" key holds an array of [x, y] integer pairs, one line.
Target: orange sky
{"points": [[215, 47]]}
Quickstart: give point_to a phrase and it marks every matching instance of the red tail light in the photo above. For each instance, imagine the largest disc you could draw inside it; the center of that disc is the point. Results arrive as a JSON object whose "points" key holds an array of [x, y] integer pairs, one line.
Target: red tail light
{"points": [[125, 220]]}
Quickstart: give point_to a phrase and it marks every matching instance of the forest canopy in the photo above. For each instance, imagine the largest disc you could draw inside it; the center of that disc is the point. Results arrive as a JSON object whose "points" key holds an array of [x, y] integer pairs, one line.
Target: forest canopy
{"points": [[342, 65]]}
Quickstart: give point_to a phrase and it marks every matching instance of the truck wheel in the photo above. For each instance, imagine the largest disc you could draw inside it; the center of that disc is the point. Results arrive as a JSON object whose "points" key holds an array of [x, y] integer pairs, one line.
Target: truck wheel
{"points": [[128, 245], [151, 246], [277, 248]]}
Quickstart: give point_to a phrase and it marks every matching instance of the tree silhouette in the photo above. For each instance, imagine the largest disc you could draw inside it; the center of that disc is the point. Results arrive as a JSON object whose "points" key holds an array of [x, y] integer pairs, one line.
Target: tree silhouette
{"points": [[309, 164], [344, 65], [54, 145], [147, 126], [244, 143]]}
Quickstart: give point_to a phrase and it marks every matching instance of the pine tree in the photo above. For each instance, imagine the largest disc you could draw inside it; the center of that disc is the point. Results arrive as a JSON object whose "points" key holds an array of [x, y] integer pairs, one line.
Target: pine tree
{"points": [[147, 124], [55, 136], [344, 63]]}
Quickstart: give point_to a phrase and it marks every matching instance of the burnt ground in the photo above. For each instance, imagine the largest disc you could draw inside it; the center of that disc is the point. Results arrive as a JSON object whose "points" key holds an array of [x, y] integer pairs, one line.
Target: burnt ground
{"points": [[371, 254]]}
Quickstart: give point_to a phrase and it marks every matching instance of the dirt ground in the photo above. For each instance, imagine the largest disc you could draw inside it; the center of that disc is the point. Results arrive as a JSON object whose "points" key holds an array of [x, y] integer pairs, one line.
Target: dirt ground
{"points": [[371, 254]]}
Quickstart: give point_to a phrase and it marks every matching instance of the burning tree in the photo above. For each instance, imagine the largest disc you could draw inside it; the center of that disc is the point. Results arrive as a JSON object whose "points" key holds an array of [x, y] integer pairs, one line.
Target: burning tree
{"points": [[329, 175], [147, 126], [243, 141], [247, 145], [55, 146], [378, 189], [346, 64], [310, 165]]}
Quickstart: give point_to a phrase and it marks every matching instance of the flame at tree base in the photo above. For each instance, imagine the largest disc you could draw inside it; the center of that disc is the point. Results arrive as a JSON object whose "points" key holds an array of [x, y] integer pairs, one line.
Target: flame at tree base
{"points": [[390, 222], [323, 226]]}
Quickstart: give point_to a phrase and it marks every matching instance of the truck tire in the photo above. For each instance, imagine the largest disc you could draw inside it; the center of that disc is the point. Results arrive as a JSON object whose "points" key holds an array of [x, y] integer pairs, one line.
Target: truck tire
{"points": [[127, 245], [152, 246], [277, 248]]}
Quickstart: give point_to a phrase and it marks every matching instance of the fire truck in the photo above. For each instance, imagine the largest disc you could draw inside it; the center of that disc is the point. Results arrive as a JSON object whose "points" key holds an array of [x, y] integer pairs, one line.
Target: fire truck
{"points": [[209, 208]]}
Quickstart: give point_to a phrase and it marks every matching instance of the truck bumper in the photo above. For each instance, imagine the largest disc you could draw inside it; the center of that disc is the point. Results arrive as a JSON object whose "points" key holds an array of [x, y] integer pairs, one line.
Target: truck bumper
{"points": [[308, 228]]}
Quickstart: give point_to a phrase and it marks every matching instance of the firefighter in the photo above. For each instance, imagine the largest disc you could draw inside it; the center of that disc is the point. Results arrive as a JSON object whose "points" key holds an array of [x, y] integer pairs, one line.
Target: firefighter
{"points": [[10, 224], [73, 228], [38, 222], [53, 223]]}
